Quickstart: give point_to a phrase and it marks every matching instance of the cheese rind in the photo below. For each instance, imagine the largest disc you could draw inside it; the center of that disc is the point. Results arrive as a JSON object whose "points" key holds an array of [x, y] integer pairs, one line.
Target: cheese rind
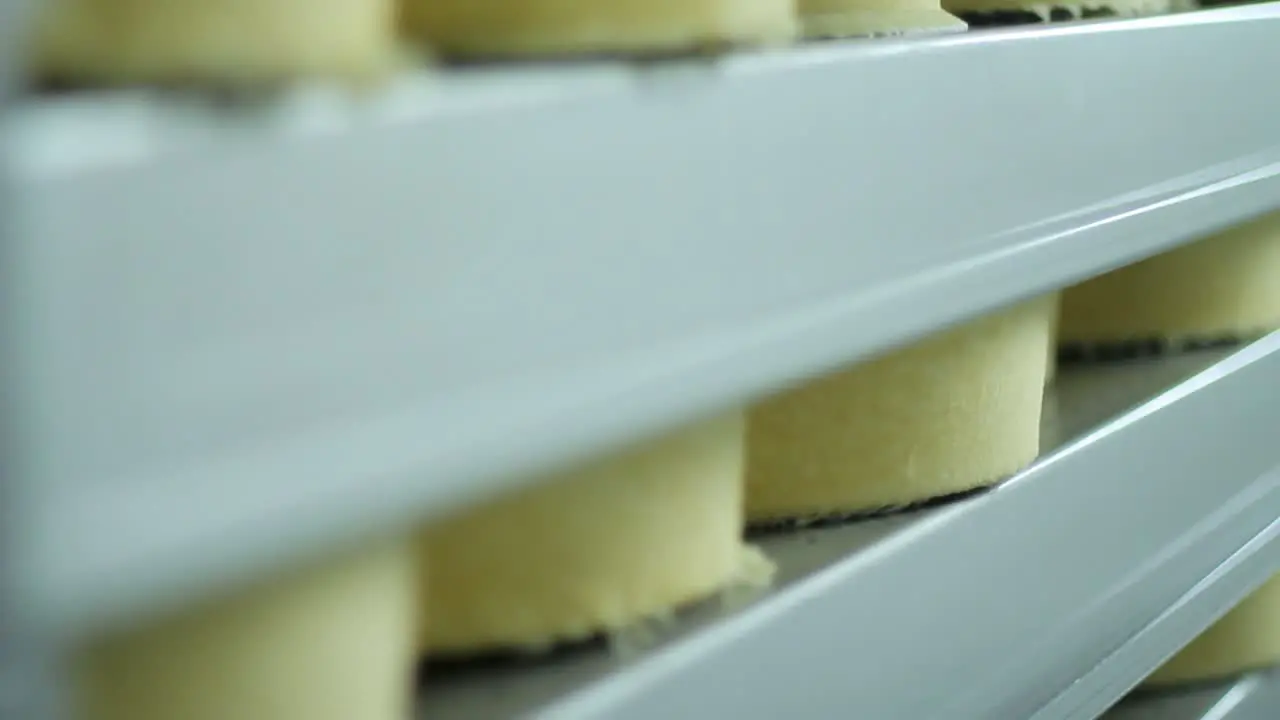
{"points": [[850, 18], [1246, 638], [952, 413], [619, 541], [1225, 284], [498, 28], [222, 41], [334, 642]]}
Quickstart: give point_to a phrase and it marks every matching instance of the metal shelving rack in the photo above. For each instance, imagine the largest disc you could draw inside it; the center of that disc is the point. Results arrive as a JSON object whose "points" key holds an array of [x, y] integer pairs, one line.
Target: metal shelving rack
{"points": [[1062, 589], [376, 345]]}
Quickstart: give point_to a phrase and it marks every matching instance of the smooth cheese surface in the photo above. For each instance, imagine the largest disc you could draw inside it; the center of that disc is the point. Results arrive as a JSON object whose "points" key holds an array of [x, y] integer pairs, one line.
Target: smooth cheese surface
{"points": [[331, 643], [248, 41], [1123, 8], [1246, 638], [1225, 284], [955, 412], [625, 539], [557, 27], [848, 18]]}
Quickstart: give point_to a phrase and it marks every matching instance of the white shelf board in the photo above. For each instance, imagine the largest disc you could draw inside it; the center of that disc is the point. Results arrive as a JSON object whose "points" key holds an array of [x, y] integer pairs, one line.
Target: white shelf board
{"points": [[249, 332], [1253, 697], [1047, 598]]}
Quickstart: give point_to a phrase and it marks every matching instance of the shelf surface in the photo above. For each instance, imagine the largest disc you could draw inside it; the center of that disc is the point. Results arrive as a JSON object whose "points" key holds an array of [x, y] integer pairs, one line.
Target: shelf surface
{"points": [[1253, 697], [249, 330], [1047, 598]]}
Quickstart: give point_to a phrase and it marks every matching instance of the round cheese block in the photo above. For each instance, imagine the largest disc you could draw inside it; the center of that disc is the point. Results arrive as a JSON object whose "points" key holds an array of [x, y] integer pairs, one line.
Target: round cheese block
{"points": [[1246, 638], [848, 18], [329, 643], [1224, 286], [952, 413], [219, 41], [1015, 12], [597, 550], [497, 28]]}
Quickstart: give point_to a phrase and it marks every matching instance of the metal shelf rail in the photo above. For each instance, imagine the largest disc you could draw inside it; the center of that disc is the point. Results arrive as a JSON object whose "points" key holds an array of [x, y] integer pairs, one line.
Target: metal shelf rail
{"points": [[1253, 697], [314, 318]]}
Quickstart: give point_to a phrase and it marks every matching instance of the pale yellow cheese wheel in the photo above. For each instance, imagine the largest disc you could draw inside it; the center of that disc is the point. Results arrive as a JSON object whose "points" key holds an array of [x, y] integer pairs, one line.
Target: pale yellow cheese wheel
{"points": [[622, 540], [557, 27], [232, 41], [952, 413], [1226, 284], [1246, 638], [336, 642], [847, 18], [1121, 8]]}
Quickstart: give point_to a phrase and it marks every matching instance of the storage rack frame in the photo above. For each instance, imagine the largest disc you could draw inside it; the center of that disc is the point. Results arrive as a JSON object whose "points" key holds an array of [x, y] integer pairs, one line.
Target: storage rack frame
{"points": [[816, 214]]}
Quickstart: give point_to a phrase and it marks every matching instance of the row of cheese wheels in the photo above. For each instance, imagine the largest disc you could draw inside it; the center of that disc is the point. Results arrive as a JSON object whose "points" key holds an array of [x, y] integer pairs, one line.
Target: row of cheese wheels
{"points": [[254, 41], [630, 537]]}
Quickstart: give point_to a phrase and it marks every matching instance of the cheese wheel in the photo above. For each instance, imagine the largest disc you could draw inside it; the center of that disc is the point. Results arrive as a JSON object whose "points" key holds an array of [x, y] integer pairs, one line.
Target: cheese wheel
{"points": [[847, 18], [222, 41], [559, 27], [1246, 638], [329, 643], [955, 412], [1031, 10], [1224, 285], [624, 539]]}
